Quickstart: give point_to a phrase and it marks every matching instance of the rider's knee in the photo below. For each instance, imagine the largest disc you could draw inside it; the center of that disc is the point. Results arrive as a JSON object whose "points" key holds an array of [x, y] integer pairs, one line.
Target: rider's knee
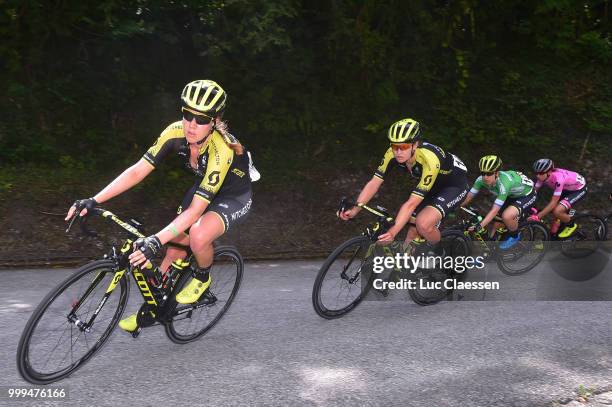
{"points": [[425, 225], [198, 245], [559, 210], [508, 216], [199, 238]]}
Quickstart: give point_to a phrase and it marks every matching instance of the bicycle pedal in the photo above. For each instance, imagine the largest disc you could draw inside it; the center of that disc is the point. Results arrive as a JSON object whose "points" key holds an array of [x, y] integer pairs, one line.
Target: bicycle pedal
{"points": [[384, 291], [207, 298]]}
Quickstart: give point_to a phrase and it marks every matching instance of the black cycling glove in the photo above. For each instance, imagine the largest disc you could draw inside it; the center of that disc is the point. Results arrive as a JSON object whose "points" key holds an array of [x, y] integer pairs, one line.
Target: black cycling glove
{"points": [[88, 204], [149, 246]]}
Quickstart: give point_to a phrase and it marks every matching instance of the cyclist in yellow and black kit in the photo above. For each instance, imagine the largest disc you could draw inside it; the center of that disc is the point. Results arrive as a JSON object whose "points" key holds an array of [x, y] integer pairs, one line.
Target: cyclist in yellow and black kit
{"points": [[219, 199], [442, 183]]}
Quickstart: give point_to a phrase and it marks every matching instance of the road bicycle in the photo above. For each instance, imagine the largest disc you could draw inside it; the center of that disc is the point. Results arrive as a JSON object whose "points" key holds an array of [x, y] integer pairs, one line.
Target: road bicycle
{"points": [[348, 275], [77, 317], [519, 259], [587, 237]]}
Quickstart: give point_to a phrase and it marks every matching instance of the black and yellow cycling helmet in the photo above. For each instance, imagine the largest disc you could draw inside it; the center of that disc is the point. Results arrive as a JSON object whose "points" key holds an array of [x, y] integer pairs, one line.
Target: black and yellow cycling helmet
{"points": [[204, 96], [489, 163], [405, 131]]}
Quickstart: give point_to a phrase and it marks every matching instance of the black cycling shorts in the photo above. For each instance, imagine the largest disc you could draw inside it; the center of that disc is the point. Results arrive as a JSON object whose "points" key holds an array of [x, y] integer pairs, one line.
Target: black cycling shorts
{"points": [[231, 210], [569, 198], [445, 199], [522, 203]]}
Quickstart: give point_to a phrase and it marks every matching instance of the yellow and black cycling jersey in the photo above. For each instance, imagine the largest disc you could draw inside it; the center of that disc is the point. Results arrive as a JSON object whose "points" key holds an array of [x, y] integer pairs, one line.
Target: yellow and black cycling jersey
{"points": [[434, 167], [220, 170]]}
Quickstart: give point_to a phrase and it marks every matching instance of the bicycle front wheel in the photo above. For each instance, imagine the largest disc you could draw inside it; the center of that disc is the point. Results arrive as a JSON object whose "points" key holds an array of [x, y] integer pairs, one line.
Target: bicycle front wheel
{"points": [[60, 336], [527, 253], [341, 283], [190, 322]]}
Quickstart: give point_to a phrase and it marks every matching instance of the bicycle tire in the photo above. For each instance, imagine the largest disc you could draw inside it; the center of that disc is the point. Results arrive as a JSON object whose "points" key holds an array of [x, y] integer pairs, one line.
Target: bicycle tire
{"points": [[505, 260], [27, 355], [319, 304], [599, 234], [455, 244], [182, 332]]}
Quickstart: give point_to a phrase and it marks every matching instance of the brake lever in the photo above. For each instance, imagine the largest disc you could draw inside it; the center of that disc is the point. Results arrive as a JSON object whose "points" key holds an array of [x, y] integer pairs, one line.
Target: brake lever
{"points": [[345, 205], [82, 225], [76, 215]]}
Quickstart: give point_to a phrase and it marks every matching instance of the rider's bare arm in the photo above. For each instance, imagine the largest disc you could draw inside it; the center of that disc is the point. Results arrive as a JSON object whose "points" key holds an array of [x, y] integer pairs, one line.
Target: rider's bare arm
{"points": [[405, 213], [122, 183], [128, 178], [490, 216], [183, 221], [548, 208], [369, 190], [468, 199]]}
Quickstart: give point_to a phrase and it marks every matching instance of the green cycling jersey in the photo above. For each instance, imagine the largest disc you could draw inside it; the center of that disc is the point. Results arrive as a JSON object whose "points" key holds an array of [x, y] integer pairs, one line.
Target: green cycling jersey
{"points": [[509, 184]]}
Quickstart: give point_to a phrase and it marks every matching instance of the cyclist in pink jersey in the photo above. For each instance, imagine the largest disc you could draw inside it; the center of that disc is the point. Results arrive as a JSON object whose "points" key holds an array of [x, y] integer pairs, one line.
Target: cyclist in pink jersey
{"points": [[569, 187]]}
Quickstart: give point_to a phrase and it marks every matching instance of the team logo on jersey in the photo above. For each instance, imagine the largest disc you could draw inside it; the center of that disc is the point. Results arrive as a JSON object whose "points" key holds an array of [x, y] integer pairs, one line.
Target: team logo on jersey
{"points": [[238, 172], [213, 178]]}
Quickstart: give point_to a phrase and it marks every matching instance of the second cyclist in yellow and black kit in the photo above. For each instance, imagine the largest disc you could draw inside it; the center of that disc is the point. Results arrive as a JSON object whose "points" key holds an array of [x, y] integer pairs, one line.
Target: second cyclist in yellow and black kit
{"points": [[442, 184]]}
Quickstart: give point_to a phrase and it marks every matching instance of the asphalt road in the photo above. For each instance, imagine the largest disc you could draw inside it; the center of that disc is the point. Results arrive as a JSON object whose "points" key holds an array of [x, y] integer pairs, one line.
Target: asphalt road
{"points": [[272, 349]]}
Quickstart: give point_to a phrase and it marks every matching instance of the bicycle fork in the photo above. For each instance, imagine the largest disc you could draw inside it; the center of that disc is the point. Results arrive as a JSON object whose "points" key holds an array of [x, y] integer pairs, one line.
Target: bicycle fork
{"points": [[87, 325]]}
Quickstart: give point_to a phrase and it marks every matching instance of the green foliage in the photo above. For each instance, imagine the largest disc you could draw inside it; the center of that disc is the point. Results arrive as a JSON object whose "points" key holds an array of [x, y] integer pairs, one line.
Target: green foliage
{"points": [[85, 84]]}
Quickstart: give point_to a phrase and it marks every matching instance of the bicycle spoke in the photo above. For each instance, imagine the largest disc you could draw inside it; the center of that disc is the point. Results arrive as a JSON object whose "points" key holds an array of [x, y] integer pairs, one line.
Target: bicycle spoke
{"points": [[192, 323], [52, 346]]}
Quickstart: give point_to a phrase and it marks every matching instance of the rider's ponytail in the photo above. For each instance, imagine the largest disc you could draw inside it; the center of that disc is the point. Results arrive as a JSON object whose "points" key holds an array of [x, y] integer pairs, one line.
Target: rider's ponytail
{"points": [[230, 140]]}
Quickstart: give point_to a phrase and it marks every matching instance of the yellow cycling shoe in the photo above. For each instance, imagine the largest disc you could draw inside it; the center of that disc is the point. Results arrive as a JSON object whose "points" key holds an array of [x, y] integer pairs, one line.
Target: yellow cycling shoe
{"points": [[418, 240], [568, 231], [129, 324], [192, 291]]}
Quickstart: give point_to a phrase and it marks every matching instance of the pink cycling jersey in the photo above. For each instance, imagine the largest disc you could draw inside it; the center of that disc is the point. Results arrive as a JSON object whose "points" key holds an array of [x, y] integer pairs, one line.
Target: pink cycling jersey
{"points": [[562, 180]]}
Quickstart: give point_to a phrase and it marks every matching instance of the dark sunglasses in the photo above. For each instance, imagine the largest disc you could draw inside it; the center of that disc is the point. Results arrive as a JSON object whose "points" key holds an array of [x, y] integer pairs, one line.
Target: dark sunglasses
{"points": [[201, 119], [487, 174]]}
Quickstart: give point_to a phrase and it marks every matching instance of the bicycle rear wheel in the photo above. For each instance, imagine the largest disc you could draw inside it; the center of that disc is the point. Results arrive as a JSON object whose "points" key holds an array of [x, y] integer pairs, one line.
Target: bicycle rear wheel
{"points": [[190, 322], [340, 286], [586, 239], [527, 253], [52, 346], [433, 284]]}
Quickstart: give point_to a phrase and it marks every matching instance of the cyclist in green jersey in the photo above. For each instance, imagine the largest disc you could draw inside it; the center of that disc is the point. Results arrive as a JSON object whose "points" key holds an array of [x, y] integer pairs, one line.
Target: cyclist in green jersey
{"points": [[514, 192], [219, 199]]}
